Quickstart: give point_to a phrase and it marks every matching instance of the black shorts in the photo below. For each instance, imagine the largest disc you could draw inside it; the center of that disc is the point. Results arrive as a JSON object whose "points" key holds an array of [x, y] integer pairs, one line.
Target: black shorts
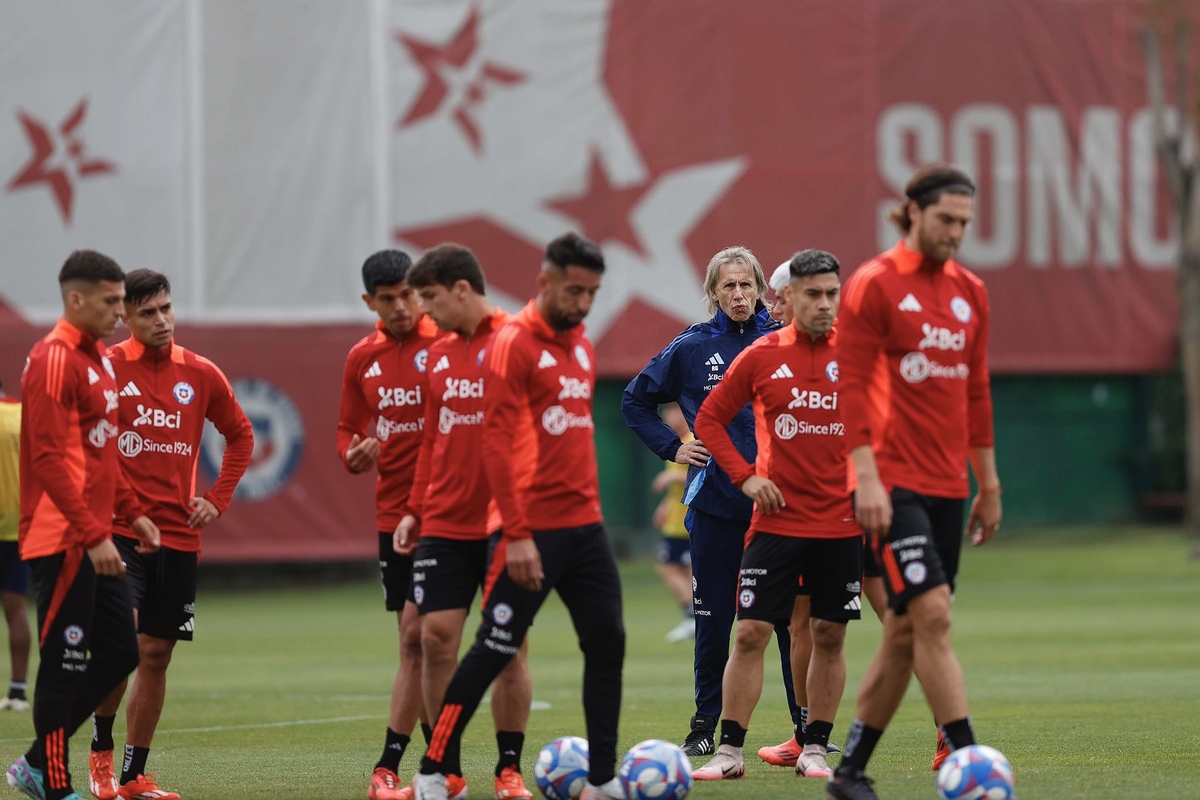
{"points": [[447, 573], [776, 568], [395, 572], [162, 587], [14, 573], [923, 546]]}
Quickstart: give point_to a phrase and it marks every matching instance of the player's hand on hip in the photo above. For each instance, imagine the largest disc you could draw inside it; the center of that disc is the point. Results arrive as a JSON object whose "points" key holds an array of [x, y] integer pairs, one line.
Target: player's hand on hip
{"points": [[408, 532], [524, 564], [362, 454], [203, 512], [107, 559], [873, 506], [765, 494], [147, 533], [693, 452], [984, 519]]}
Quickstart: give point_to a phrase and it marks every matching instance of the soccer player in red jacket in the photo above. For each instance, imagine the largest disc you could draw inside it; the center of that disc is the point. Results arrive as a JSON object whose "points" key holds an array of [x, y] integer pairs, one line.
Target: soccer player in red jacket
{"points": [[70, 487], [380, 420], [166, 394], [916, 398], [451, 505], [539, 378], [803, 531]]}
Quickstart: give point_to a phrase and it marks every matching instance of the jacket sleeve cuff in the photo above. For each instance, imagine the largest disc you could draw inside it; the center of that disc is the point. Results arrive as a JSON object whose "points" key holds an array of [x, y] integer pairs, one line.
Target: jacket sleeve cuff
{"points": [[855, 440], [514, 534], [131, 511], [95, 537], [221, 507], [741, 476]]}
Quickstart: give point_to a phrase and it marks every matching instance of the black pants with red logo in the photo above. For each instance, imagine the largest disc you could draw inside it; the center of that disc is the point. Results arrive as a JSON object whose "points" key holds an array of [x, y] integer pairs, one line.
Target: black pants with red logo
{"points": [[88, 645], [578, 563]]}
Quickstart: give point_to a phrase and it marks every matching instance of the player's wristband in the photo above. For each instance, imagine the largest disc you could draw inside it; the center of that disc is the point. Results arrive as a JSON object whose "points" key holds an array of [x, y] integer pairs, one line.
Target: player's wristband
{"points": [[990, 490]]}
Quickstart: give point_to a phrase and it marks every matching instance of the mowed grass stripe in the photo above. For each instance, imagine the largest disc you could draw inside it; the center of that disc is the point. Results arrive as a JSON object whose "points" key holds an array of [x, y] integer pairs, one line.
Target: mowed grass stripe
{"points": [[1081, 649]]}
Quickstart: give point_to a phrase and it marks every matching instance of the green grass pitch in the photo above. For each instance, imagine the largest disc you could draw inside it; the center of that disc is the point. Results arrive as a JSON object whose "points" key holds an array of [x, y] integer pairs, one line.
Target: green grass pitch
{"points": [[1081, 650]]}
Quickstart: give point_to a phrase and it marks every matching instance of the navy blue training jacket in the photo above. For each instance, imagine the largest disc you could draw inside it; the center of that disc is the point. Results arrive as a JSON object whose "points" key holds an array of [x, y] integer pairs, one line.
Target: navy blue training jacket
{"points": [[685, 372]]}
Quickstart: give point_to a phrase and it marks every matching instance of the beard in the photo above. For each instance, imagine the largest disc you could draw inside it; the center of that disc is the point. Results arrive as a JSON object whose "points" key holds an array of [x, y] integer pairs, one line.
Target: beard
{"points": [[562, 322], [933, 249]]}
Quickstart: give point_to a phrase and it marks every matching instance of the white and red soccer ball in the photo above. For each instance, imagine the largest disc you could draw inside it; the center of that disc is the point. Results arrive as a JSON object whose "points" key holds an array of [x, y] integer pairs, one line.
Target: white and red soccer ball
{"points": [[655, 770], [561, 770], [977, 772]]}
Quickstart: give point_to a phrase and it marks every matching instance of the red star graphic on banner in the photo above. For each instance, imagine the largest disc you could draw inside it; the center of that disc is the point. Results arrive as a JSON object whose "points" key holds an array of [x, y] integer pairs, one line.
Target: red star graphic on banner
{"points": [[602, 210], [451, 65], [55, 163]]}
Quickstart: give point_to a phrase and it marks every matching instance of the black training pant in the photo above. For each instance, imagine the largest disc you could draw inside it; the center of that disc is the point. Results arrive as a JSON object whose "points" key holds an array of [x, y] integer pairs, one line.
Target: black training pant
{"points": [[578, 563], [87, 644]]}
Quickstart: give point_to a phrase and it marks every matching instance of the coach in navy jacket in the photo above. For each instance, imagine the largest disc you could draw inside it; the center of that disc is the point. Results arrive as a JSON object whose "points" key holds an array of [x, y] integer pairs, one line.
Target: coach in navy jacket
{"points": [[685, 372]]}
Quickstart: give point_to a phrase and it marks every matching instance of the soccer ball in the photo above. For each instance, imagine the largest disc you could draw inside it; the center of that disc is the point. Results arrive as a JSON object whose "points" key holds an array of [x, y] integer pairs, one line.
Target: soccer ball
{"points": [[561, 770], [655, 770], [977, 772]]}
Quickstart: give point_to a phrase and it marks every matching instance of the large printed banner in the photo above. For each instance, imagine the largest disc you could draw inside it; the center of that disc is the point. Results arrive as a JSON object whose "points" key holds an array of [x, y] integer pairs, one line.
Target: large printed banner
{"points": [[257, 152], [789, 125]]}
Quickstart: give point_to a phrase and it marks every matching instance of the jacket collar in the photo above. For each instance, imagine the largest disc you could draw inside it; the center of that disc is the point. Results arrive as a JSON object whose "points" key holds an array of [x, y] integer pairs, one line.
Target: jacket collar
{"points": [[425, 328], [487, 325], [540, 328], [909, 261], [760, 320], [137, 351], [66, 331], [493, 321], [789, 335]]}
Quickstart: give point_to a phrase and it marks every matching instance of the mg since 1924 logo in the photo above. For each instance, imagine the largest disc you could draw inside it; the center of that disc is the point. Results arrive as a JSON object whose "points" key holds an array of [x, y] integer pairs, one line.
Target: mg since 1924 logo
{"points": [[278, 440]]}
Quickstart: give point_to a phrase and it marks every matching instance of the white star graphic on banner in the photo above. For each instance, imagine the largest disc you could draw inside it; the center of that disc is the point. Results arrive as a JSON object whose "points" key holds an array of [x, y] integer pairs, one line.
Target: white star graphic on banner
{"points": [[665, 277]]}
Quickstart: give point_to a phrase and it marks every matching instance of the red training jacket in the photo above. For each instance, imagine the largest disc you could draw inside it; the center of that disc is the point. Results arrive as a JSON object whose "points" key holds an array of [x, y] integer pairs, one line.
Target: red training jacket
{"points": [[165, 396], [913, 354], [70, 482], [382, 396], [792, 383], [540, 386], [450, 492]]}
